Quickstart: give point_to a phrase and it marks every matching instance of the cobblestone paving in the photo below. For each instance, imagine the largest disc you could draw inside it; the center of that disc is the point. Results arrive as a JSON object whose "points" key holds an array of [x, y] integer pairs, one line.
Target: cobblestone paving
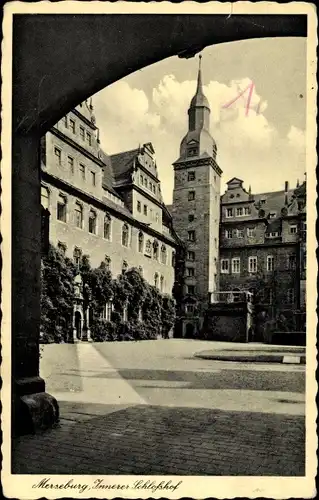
{"points": [[167, 414]]}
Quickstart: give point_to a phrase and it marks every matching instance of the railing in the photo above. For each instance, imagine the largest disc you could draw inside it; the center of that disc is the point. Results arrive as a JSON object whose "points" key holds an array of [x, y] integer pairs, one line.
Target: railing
{"points": [[230, 297]]}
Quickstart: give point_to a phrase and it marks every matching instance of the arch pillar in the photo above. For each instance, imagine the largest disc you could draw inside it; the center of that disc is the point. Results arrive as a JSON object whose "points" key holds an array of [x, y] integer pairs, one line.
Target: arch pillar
{"points": [[32, 407]]}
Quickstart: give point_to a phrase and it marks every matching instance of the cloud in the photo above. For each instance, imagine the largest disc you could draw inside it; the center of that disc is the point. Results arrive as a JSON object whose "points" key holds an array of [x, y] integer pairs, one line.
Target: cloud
{"points": [[249, 146]]}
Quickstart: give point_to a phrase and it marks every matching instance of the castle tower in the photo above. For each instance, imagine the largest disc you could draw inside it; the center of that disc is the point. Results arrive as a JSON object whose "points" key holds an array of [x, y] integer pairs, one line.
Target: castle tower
{"points": [[196, 203]]}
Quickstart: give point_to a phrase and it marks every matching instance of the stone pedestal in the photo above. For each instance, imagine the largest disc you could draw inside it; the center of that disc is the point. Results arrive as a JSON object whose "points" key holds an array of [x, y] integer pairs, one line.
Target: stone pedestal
{"points": [[32, 407]]}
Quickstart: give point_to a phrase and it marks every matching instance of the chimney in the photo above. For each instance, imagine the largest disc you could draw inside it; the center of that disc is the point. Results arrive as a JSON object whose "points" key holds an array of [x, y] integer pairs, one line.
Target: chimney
{"points": [[286, 192]]}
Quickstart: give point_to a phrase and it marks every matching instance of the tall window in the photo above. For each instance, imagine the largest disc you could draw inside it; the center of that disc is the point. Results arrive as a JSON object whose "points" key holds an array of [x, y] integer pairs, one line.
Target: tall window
{"points": [[291, 261], [72, 125], [191, 235], [88, 138], [93, 180], [78, 212], [191, 176], [107, 227], [140, 242], [145, 209], [65, 120], [240, 233], [247, 210], [191, 256], [190, 271], [57, 154], [141, 179], [156, 280], [82, 171], [92, 222], [155, 250], [190, 289], [228, 233], [61, 208], [138, 206], [252, 264], [239, 211], [82, 133], [161, 283], [191, 195], [71, 164], [173, 258], [77, 254], [108, 311], [125, 235], [148, 248], [236, 265], [270, 262], [163, 254], [250, 232], [44, 197], [224, 266], [229, 212]]}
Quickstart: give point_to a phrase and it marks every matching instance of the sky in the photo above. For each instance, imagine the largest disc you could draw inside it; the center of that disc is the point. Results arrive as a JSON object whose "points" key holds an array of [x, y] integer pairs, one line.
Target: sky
{"points": [[257, 95]]}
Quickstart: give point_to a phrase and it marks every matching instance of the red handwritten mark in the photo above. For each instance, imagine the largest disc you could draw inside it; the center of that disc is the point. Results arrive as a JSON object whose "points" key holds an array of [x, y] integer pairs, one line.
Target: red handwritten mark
{"points": [[249, 87]]}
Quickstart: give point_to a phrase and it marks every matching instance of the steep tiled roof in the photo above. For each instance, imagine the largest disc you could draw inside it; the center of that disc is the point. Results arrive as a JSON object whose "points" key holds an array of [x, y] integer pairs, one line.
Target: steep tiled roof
{"points": [[274, 201], [122, 163], [108, 177]]}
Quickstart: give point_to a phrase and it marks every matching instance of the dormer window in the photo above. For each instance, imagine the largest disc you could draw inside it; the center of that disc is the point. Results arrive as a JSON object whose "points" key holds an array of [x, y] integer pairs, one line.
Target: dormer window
{"points": [[192, 151]]}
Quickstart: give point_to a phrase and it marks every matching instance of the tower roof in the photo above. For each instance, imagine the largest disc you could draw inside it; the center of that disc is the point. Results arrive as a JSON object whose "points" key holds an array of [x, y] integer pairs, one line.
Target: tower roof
{"points": [[199, 99]]}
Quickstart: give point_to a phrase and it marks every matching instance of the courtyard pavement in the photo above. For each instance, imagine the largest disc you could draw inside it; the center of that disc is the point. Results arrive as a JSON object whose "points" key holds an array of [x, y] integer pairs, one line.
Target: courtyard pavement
{"points": [[152, 408]]}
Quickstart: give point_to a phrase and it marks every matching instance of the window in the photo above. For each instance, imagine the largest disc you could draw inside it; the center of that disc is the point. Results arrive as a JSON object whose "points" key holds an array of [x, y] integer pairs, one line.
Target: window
{"points": [[145, 181], [270, 262], [78, 213], [108, 311], [291, 261], [224, 266], [290, 296], [107, 227], [250, 232], [252, 264], [236, 265], [157, 217], [72, 125], [140, 242], [150, 186], [239, 211], [125, 235], [155, 250], [65, 120], [154, 188], [192, 151], [93, 178], [163, 254], [246, 210], [191, 195], [191, 217], [229, 212], [82, 171], [145, 209], [61, 208], [161, 283], [240, 233], [293, 229], [156, 280], [190, 289], [124, 266], [57, 153], [191, 176], [215, 241], [141, 180], [274, 234], [138, 206], [107, 261], [44, 197], [92, 222], [189, 308], [191, 256], [173, 258], [125, 313], [77, 254], [228, 233], [272, 215], [148, 248], [191, 235], [190, 271], [88, 138], [71, 164], [82, 133]]}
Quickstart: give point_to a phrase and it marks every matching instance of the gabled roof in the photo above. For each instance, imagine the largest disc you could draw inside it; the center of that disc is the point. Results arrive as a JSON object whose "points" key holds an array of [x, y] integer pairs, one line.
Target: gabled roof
{"points": [[122, 163], [234, 179]]}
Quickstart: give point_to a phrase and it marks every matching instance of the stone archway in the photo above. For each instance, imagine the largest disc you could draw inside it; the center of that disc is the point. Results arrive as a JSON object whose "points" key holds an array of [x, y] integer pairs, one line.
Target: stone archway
{"points": [[48, 68]]}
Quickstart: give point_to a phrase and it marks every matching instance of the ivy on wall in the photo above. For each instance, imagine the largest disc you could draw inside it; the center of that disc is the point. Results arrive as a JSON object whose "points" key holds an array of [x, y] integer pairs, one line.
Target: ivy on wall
{"points": [[148, 311]]}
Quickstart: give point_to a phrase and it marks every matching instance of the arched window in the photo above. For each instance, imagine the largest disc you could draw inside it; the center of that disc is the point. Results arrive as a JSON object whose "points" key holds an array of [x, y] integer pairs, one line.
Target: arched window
{"points": [[125, 235], [78, 214], [155, 250], [161, 283], [107, 227], [92, 222], [148, 248], [163, 254], [156, 280], [124, 266], [44, 197], [140, 242]]}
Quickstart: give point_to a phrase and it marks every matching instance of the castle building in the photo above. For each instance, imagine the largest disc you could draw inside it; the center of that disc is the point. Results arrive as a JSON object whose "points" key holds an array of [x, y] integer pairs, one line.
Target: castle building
{"points": [[196, 210], [107, 207]]}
